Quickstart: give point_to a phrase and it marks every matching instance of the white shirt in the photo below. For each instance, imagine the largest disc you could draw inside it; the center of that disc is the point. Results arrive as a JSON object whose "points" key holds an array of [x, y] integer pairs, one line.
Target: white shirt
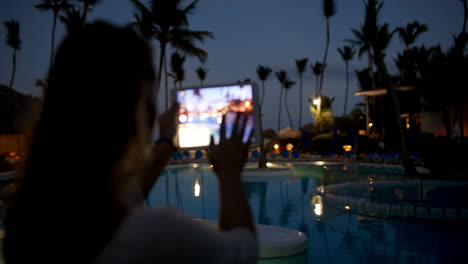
{"points": [[167, 236]]}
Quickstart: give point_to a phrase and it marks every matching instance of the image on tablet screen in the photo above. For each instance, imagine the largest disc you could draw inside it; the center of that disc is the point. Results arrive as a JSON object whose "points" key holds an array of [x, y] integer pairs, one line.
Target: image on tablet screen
{"points": [[201, 111]]}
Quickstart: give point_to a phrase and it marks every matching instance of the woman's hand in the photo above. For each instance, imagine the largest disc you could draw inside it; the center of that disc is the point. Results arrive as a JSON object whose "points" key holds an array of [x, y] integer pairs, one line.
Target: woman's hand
{"points": [[168, 123], [229, 156]]}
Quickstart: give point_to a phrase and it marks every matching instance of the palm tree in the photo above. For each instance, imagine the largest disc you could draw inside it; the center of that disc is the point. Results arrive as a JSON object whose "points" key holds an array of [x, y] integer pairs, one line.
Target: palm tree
{"points": [[317, 69], [282, 76], [410, 33], [380, 44], [169, 23], [301, 65], [365, 37], [14, 42], [201, 73], [177, 67], [288, 84], [263, 72], [347, 54], [72, 20], [56, 6], [329, 10], [87, 5]]}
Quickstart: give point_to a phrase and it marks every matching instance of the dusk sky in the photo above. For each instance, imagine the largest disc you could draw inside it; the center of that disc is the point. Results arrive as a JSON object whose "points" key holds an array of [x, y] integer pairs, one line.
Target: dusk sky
{"points": [[247, 33]]}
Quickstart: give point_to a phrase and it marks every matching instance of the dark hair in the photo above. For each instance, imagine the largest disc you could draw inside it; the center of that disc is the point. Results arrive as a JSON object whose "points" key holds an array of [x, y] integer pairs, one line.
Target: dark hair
{"points": [[67, 194]]}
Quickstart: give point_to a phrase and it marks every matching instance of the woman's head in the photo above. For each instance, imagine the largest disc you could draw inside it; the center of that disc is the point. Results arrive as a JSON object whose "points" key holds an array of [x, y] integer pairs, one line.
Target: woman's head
{"points": [[100, 96], [98, 109]]}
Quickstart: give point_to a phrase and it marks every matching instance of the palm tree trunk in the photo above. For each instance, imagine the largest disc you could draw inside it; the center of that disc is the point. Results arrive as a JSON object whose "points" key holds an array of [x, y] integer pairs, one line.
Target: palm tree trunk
{"points": [[262, 158], [347, 87], [287, 108], [325, 57], [319, 106], [263, 96], [279, 109], [52, 44], [300, 102], [408, 163], [166, 86], [12, 80], [316, 85], [161, 65]]}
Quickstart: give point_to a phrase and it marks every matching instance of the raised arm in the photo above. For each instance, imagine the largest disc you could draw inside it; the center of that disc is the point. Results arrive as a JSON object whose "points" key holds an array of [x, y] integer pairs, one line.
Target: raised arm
{"points": [[161, 151], [228, 159]]}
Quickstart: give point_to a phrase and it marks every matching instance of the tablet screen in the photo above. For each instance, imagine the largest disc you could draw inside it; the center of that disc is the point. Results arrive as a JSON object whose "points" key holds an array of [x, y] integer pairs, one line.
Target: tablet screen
{"points": [[202, 109]]}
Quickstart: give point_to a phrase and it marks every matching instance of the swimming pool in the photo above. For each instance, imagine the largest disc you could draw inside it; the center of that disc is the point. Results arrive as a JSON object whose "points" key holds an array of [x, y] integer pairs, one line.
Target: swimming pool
{"points": [[334, 235]]}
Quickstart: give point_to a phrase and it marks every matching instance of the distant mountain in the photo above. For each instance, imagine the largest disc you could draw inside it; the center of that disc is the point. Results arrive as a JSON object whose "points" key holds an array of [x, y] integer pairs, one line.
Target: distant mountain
{"points": [[15, 108]]}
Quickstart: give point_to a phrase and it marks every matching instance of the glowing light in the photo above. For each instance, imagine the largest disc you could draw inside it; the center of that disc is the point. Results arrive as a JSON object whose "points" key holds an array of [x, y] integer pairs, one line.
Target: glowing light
{"points": [[318, 205], [190, 118], [347, 148], [276, 146], [247, 104], [219, 120], [371, 189], [316, 101], [407, 126], [183, 118], [362, 132], [211, 166], [289, 147], [371, 124], [195, 165], [347, 207], [320, 163], [190, 107], [318, 209], [196, 189], [269, 164]]}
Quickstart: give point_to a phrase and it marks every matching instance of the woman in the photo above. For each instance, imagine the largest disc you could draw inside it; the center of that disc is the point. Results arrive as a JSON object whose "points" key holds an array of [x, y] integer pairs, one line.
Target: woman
{"points": [[91, 165]]}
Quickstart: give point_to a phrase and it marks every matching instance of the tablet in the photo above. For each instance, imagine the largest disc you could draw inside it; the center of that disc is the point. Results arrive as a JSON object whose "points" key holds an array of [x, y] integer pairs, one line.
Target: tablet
{"points": [[202, 109]]}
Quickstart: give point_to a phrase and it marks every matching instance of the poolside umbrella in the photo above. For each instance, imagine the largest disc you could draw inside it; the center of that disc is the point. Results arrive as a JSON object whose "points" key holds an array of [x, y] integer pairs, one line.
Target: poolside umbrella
{"points": [[289, 133]]}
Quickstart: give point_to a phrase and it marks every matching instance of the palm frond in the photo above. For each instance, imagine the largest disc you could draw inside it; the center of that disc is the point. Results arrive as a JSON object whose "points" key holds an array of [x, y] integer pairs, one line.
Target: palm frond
{"points": [[13, 34]]}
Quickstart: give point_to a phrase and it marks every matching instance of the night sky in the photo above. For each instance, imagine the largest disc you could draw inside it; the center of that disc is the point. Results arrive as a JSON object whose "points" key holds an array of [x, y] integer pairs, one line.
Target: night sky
{"points": [[247, 33]]}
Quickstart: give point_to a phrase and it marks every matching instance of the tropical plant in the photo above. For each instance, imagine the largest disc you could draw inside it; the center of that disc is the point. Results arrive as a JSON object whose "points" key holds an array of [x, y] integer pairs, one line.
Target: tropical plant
{"points": [[263, 72], [72, 20], [329, 10], [177, 68], [410, 33], [201, 73], [365, 37], [347, 54], [301, 65], [56, 6], [288, 84], [87, 6], [167, 21], [325, 117], [282, 76], [380, 44], [13, 41], [317, 69]]}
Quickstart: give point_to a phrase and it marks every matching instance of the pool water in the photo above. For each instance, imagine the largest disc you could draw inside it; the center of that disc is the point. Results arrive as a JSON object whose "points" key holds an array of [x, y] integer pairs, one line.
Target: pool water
{"points": [[334, 235]]}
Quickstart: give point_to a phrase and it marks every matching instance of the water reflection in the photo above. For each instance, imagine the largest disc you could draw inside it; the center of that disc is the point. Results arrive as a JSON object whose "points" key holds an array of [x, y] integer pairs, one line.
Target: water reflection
{"points": [[335, 235]]}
